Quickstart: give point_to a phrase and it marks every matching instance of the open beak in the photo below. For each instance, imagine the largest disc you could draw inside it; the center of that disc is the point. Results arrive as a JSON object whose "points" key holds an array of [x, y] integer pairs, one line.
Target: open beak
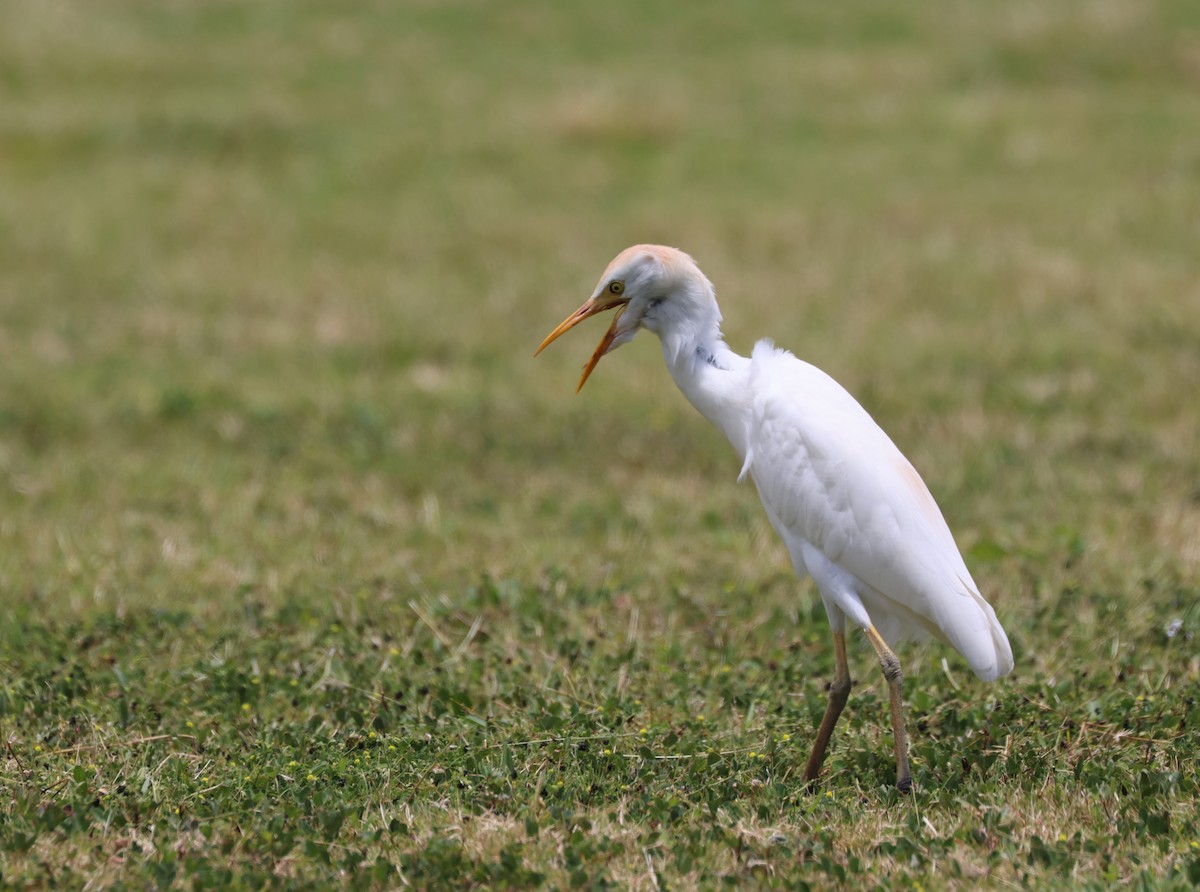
{"points": [[590, 308]]}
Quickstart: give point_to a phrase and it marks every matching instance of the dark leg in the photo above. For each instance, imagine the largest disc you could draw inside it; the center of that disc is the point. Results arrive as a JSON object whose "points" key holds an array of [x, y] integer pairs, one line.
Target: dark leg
{"points": [[839, 692]]}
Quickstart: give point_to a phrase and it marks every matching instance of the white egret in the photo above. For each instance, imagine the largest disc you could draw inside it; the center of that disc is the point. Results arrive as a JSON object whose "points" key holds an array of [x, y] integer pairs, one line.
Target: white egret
{"points": [[853, 512]]}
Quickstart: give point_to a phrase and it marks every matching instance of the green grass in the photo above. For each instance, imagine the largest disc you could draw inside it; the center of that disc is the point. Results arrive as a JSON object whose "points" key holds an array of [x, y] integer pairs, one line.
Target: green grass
{"points": [[311, 575]]}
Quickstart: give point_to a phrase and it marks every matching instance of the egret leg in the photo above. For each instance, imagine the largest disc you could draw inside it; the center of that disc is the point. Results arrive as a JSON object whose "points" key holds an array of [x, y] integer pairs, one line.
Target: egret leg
{"points": [[891, 672], [839, 692]]}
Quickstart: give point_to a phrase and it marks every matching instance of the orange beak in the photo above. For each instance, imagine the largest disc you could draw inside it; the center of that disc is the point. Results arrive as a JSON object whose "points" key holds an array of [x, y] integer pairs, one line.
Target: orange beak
{"points": [[590, 308]]}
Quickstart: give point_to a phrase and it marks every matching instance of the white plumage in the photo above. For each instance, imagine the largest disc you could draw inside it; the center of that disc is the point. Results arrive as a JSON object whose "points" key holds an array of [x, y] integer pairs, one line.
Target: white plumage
{"points": [[852, 511], [839, 491]]}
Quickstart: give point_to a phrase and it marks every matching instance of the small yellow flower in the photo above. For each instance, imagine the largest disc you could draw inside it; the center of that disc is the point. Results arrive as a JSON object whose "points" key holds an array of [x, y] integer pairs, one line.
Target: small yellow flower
{"points": [[311, 777], [37, 747], [391, 748], [786, 737], [700, 718], [256, 680], [204, 779], [245, 707], [608, 752], [248, 778], [829, 794], [189, 724], [1062, 837], [394, 652], [726, 668], [371, 735], [643, 731], [753, 754], [293, 764]]}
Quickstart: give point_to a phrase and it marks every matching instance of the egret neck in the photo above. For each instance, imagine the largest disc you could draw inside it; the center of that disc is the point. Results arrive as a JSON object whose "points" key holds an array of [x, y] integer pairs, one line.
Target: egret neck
{"points": [[715, 379]]}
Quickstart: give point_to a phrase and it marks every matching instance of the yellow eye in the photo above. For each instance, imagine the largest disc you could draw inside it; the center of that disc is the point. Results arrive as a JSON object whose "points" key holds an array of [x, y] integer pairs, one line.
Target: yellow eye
{"points": [[616, 287]]}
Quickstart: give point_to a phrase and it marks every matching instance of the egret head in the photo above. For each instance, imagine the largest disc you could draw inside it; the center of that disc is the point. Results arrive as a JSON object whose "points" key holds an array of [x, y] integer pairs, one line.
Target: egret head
{"points": [[650, 286]]}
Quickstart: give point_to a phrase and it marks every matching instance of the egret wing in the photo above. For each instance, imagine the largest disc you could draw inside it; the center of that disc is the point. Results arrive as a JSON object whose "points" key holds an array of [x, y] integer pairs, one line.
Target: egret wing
{"points": [[829, 475]]}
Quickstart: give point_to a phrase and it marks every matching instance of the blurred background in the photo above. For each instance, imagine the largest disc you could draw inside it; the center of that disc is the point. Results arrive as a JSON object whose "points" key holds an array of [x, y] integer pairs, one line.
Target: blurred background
{"points": [[272, 274]]}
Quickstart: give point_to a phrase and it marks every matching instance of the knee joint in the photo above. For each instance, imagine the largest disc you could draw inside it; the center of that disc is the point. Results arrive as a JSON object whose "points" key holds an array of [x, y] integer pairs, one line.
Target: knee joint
{"points": [[891, 667]]}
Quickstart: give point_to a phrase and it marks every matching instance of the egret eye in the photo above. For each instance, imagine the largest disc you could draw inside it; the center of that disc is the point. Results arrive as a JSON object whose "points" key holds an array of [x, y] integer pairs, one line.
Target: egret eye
{"points": [[616, 287]]}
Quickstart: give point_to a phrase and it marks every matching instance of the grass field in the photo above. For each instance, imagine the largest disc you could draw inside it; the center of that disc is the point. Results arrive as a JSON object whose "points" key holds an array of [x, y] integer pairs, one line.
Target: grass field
{"points": [[310, 574]]}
